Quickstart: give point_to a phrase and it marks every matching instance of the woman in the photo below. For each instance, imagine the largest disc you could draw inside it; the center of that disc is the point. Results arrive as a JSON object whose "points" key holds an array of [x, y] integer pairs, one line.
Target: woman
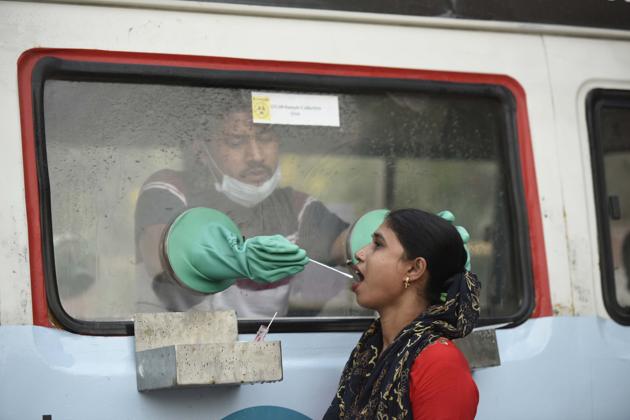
{"points": [[405, 366]]}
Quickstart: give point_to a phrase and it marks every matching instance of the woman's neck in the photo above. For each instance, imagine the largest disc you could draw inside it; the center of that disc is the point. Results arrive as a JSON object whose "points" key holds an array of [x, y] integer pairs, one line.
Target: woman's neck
{"points": [[396, 317]]}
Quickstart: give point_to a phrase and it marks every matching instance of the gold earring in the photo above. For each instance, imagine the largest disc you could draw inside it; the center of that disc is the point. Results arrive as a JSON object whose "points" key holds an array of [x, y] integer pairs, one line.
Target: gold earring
{"points": [[406, 282]]}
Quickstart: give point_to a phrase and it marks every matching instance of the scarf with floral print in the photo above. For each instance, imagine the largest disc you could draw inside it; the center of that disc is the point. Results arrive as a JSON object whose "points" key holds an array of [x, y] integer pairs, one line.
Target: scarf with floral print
{"points": [[375, 385]]}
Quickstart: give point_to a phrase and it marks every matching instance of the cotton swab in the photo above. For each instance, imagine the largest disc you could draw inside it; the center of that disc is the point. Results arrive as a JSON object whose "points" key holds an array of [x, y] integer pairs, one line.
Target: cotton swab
{"points": [[262, 330], [330, 268]]}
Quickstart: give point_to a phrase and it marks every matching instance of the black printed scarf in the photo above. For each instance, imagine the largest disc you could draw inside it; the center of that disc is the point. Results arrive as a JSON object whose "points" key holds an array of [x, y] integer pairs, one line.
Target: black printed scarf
{"points": [[376, 386]]}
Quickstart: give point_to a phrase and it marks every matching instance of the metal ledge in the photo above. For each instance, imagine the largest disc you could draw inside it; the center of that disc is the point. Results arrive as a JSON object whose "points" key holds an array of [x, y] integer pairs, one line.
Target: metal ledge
{"points": [[480, 349]]}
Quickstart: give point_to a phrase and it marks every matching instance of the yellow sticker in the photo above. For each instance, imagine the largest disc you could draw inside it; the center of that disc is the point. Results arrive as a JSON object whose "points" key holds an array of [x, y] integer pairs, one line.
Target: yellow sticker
{"points": [[261, 108]]}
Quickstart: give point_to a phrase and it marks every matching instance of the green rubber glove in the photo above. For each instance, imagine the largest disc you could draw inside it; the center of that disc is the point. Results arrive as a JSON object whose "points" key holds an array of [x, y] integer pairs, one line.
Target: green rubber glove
{"points": [[222, 255], [183, 237], [272, 258], [361, 232], [447, 215], [207, 253]]}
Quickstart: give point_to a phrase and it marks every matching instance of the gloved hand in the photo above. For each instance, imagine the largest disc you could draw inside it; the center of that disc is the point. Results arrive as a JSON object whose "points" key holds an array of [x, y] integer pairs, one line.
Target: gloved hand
{"points": [[447, 215], [220, 254], [207, 252]]}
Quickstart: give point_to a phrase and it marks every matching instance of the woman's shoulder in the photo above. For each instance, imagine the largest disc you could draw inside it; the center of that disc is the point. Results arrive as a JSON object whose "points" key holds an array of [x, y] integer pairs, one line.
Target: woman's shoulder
{"points": [[441, 350], [441, 385], [440, 360]]}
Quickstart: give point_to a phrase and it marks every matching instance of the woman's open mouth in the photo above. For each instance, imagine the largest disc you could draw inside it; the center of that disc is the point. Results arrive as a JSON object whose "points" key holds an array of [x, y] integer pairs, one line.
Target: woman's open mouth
{"points": [[358, 277]]}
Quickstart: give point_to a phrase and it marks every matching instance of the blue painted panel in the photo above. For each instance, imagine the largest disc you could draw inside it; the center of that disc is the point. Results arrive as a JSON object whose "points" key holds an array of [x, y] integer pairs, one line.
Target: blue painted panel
{"points": [[552, 368], [547, 371], [46, 371], [266, 412]]}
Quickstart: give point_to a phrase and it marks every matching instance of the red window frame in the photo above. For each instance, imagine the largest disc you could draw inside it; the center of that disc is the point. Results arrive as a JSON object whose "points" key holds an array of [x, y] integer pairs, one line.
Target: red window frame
{"points": [[30, 58]]}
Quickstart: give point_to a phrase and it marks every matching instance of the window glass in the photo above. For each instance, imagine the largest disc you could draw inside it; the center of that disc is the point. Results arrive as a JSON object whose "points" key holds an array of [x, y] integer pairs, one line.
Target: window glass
{"points": [[124, 159], [614, 137]]}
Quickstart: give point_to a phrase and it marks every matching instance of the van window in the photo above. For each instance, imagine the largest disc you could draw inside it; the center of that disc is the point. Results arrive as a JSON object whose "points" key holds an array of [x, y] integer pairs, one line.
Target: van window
{"points": [[124, 153], [609, 125]]}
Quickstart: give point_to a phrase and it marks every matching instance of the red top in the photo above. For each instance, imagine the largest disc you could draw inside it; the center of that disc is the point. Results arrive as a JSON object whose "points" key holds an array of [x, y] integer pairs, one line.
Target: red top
{"points": [[441, 386]]}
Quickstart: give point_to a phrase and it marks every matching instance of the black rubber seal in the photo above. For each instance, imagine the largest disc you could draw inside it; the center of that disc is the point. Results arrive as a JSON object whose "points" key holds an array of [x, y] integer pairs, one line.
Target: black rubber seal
{"points": [[596, 101], [51, 68]]}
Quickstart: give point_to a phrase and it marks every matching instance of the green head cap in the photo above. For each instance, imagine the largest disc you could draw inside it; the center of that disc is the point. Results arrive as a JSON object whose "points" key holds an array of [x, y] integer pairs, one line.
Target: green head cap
{"points": [[361, 232]]}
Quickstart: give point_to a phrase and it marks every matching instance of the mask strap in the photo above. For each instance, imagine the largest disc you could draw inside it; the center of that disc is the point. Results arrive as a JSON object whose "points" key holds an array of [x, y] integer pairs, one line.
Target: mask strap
{"points": [[214, 167]]}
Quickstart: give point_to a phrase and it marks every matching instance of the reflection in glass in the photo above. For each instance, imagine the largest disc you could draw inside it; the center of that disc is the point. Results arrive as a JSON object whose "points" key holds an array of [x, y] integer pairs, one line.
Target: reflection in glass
{"points": [[615, 137], [124, 158]]}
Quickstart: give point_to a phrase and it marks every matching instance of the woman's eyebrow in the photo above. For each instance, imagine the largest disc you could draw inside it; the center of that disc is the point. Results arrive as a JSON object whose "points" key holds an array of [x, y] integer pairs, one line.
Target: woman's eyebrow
{"points": [[379, 236]]}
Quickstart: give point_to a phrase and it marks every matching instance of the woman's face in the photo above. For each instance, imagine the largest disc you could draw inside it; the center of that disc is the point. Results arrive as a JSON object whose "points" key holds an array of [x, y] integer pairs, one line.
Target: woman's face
{"points": [[381, 270]]}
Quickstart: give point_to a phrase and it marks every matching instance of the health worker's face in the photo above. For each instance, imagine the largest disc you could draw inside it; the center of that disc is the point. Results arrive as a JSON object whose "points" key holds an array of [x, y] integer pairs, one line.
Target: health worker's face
{"points": [[244, 150], [380, 270]]}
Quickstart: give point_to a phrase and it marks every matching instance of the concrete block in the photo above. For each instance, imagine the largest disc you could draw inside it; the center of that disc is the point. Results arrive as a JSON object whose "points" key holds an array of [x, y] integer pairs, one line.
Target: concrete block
{"points": [[154, 330], [175, 350], [239, 362]]}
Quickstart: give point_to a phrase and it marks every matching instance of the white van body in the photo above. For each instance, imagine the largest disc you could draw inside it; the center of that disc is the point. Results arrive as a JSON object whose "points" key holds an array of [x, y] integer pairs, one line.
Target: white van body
{"points": [[568, 360]]}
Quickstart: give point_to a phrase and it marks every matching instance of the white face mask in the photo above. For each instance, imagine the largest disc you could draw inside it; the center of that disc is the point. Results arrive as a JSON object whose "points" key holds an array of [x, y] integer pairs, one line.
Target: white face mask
{"points": [[247, 195]]}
